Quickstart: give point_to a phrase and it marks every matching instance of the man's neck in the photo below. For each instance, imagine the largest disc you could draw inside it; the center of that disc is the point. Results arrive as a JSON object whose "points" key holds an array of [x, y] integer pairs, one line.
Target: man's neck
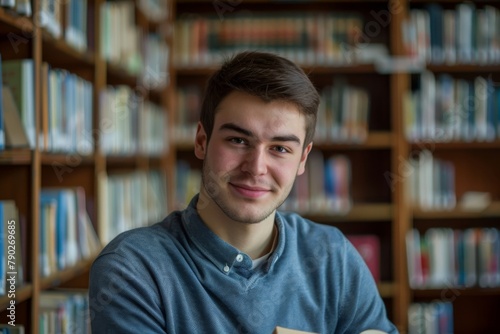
{"points": [[255, 239]]}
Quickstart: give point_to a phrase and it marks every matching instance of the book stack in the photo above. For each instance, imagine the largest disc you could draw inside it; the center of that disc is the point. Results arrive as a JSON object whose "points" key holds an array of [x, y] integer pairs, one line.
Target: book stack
{"points": [[189, 106], [188, 181], [130, 200], [325, 187], [343, 114], [444, 257], [67, 105], [430, 318], [305, 38], [50, 17], [155, 10], [432, 182], [465, 34], [449, 109], [8, 329], [66, 231], [64, 311], [154, 73], [129, 124], [75, 32], [18, 76], [21, 7], [120, 37]]}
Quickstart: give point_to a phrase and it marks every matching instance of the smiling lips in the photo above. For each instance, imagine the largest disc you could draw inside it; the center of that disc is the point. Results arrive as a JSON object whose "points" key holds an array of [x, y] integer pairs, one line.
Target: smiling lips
{"points": [[249, 191]]}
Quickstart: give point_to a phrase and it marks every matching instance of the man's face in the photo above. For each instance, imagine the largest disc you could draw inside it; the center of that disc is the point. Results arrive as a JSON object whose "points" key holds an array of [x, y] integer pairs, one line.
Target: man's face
{"points": [[253, 157]]}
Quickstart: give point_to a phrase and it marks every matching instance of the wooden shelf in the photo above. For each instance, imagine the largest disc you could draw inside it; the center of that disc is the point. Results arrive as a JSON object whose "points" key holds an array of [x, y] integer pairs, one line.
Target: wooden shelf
{"points": [[66, 275], [359, 212], [16, 157], [22, 293], [117, 75], [70, 159], [454, 145], [58, 52], [14, 22], [447, 292], [458, 213], [465, 68], [375, 140]]}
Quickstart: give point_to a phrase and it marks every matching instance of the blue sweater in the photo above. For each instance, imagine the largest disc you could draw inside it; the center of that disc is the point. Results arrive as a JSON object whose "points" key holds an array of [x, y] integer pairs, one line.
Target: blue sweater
{"points": [[177, 276]]}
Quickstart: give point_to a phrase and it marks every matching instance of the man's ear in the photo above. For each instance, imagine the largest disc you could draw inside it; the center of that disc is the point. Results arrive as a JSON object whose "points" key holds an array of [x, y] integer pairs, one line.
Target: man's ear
{"points": [[200, 142], [303, 159]]}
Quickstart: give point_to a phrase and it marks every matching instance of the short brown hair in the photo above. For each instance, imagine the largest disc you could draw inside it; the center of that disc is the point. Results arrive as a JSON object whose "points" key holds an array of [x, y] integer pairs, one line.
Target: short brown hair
{"points": [[267, 76]]}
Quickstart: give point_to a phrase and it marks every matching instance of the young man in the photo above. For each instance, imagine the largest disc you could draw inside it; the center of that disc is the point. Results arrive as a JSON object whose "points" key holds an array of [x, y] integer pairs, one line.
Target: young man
{"points": [[230, 263]]}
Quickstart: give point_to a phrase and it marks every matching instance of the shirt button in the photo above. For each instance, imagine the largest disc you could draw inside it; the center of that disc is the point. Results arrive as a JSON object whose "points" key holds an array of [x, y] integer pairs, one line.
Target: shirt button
{"points": [[239, 257], [226, 269]]}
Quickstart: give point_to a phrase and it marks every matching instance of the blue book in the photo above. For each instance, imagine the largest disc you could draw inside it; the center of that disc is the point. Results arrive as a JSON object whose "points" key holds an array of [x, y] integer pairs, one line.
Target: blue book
{"points": [[61, 221]]}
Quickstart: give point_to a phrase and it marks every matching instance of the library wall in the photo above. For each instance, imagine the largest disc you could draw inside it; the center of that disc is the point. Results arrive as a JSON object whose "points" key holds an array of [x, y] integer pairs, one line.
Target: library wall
{"points": [[98, 109]]}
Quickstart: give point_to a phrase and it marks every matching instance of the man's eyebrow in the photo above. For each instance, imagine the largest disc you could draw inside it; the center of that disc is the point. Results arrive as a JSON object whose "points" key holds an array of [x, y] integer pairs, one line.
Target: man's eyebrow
{"points": [[248, 133], [234, 127]]}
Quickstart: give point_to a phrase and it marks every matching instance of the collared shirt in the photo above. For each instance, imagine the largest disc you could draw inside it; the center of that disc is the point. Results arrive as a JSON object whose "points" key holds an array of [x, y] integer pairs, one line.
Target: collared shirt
{"points": [[178, 276]]}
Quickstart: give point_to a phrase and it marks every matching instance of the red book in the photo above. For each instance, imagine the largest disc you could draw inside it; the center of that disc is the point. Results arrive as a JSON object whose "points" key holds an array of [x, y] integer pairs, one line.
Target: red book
{"points": [[368, 247]]}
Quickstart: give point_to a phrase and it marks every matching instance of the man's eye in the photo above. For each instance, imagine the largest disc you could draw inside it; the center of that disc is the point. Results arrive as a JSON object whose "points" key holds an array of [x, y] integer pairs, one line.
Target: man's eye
{"points": [[237, 140], [280, 149]]}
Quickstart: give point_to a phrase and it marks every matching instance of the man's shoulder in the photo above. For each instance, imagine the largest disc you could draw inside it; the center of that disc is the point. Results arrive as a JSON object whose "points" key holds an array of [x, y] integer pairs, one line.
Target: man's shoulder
{"points": [[145, 238]]}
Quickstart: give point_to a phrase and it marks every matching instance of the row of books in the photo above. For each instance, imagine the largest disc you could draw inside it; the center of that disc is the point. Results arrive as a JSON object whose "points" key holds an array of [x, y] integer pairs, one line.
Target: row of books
{"points": [[64, 311], [306, 38], [18, 76], [75, 21], [156, 59], [188, 99], [155, 10], [465, 34], [67, 106], [129, 124], [12, 246], [21, 7], [325, 186], [129, 46], [9, 329], [343, 114], [443, 257], [187, 183], [445, 108], [432, 182], [430, 318], [130, 200], [67, 235]]}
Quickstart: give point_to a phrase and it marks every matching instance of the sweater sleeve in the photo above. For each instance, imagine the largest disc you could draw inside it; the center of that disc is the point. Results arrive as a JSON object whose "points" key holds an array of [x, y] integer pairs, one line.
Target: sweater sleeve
{"points": [[123, 297], [361, 307]]}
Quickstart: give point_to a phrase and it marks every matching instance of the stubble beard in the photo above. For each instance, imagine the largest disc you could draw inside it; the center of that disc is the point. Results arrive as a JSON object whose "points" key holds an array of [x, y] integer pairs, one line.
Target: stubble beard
{"points": [[211, 183]]}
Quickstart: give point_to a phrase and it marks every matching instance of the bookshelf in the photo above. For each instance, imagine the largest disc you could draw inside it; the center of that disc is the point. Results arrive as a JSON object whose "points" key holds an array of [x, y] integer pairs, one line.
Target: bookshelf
{"points": [[474, 158], [380, 184], [67, 36], [380, 164]]}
